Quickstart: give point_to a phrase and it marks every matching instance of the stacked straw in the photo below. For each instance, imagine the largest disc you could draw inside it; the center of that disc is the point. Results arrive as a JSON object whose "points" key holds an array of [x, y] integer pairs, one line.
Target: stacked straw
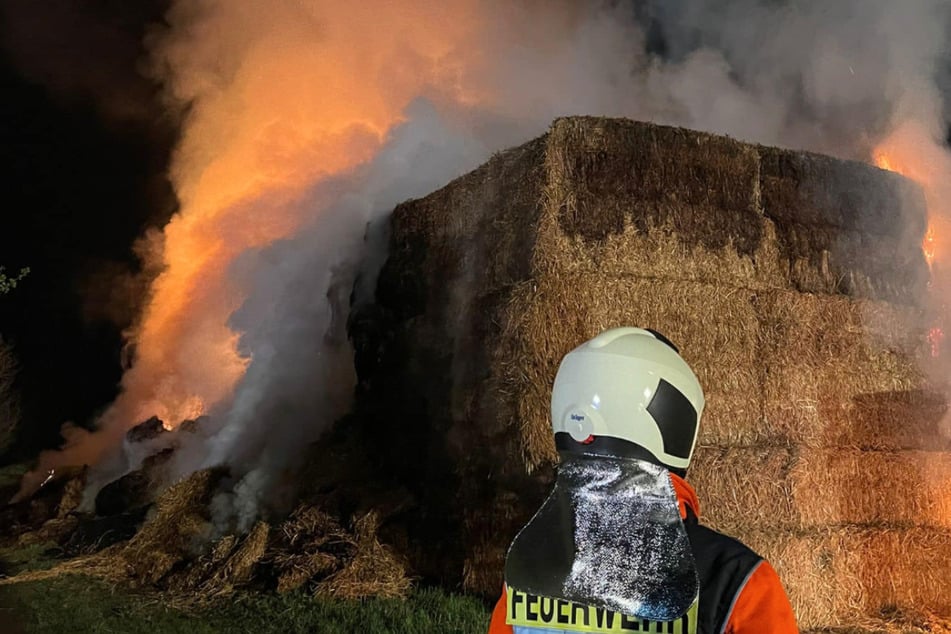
{"points": [[793, 284]]}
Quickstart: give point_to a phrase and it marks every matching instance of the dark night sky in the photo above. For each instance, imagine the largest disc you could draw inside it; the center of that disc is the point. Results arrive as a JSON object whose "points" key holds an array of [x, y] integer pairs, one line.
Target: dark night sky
{"points": [[83, 160]]}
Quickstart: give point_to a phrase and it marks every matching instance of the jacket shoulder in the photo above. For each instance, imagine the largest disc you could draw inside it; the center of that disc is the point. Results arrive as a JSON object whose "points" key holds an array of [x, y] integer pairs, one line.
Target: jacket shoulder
{"points": [[724, 565], [711, 544]]}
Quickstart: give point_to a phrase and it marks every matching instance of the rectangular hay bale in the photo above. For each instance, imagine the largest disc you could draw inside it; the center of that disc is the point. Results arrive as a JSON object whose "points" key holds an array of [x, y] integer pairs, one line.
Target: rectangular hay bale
{"points": [[868, 487], [836, 576], [822, 354], [744, 489]]}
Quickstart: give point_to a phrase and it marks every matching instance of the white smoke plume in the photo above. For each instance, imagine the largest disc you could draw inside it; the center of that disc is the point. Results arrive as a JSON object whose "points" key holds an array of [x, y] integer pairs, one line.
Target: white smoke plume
{"points": [[308, 119]]}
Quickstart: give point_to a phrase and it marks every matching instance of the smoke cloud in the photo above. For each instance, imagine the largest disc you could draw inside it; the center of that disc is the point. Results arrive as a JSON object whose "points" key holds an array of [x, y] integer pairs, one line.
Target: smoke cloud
{"points": [[305, 121]]}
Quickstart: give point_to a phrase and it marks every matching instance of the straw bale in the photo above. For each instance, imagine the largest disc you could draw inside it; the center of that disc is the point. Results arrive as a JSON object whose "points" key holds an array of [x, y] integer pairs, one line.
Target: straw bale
{"points": [[694, 195], [186, 579], [483, 565], [136, 488], [222, 549], [746, 489], [297, 570], [863, 225], [53, 520], [179, 523], [820, 190], [309, 525], [374, 570], [895, 620], [835, 576], [870, 487], [898, 420], [869, 625], [476, 229], [601, 223], [191, 577], [236, 570], [311, 545], [762, 217], [824, 352], [485, 552]]}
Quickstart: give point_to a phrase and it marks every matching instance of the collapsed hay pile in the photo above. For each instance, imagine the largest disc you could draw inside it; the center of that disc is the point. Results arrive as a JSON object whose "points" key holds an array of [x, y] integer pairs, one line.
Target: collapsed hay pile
{"points": [[177, 551], [793, 284]]}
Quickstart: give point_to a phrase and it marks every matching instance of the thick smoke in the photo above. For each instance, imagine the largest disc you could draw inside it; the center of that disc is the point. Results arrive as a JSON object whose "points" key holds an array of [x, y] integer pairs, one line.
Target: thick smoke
{"points": [[827, 76], [307, 121]]}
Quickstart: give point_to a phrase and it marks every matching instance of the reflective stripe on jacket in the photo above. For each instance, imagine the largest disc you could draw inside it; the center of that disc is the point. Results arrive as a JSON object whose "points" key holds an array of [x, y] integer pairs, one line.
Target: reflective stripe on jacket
{"points": [[740, 593]]}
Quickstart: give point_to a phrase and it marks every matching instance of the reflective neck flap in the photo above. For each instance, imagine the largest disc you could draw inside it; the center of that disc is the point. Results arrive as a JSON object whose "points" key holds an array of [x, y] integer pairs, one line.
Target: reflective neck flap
{"points": [[609, 535]]}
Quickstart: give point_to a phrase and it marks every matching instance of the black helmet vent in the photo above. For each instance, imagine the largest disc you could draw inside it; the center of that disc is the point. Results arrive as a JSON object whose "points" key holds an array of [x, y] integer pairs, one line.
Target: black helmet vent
{"points": [[675, 417]]}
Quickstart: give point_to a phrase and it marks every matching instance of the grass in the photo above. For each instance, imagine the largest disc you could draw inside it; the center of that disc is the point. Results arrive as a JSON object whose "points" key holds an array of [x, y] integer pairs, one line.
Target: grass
{"points": [[73, 603], [15, 559], [11, 474]]}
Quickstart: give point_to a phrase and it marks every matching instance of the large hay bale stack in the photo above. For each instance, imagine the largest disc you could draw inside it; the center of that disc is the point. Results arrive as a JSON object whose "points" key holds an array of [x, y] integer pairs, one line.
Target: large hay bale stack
{"points": [[793, 284]]}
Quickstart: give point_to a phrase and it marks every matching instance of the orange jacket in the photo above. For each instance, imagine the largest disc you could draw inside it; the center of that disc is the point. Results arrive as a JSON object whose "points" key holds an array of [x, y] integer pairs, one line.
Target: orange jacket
{"points": [[761, 606]]}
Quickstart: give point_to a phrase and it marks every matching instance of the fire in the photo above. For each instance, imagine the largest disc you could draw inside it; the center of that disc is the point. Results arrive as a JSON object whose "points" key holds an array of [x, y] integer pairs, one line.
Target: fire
{"points": [[928, 246], [898, 154], [279, 99], [882, 161], [315, 92], [911, 151]]}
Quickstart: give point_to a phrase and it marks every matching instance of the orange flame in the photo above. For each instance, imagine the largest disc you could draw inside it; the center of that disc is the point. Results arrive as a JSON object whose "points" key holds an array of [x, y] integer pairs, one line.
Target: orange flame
{"points": [[882, 161], [316, 92], [899, 155], [928, 246], [915, 153]]}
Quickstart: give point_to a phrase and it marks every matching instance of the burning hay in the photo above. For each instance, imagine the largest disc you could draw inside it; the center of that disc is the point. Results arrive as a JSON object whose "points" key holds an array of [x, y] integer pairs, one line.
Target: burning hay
{"points": [[793, 284], [175, 551]]}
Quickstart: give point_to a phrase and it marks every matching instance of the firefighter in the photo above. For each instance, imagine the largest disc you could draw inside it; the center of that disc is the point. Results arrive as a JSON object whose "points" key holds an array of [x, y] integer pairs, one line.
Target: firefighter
{"points": [[617, 546]]}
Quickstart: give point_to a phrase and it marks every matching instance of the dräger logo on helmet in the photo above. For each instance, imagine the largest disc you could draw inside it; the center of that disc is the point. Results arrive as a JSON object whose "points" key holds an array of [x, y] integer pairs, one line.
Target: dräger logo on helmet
{"points": [[535, 613], [578, 417]]}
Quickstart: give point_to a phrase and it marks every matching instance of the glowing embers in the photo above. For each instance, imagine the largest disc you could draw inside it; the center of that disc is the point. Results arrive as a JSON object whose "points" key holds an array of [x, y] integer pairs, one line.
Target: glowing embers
{"points": [[929, 246]]}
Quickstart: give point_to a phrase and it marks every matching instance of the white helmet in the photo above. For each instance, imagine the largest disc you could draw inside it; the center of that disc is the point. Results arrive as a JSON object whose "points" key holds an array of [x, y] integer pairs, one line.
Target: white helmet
{"points": [[628, 392]]}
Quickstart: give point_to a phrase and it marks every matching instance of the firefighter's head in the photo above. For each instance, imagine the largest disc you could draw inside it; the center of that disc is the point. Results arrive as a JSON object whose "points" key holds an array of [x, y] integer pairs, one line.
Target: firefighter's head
{"points": [[628, 393]]}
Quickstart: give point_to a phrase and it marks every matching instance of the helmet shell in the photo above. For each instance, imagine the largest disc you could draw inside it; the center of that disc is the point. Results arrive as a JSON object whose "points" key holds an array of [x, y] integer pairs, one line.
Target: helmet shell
{"points": [[633, 385]]}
